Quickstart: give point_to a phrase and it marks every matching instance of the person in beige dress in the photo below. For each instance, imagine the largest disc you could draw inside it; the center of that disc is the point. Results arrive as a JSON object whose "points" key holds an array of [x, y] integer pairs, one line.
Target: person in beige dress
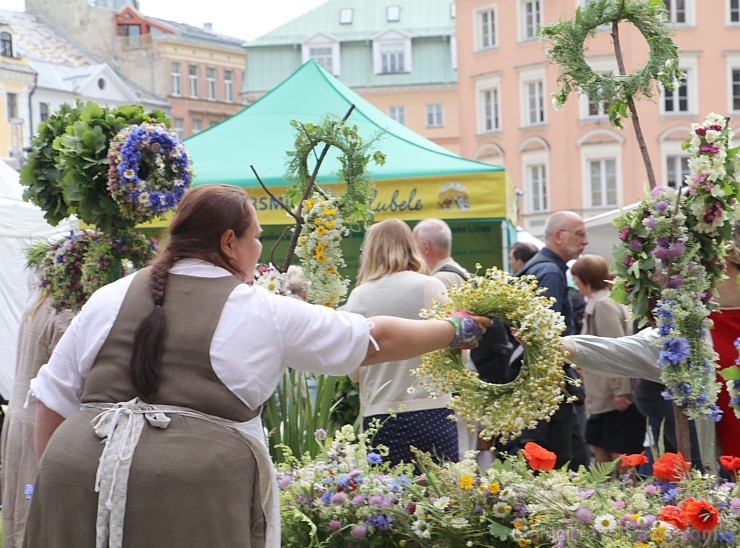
{"points": [[41, 328], [148, 424]]}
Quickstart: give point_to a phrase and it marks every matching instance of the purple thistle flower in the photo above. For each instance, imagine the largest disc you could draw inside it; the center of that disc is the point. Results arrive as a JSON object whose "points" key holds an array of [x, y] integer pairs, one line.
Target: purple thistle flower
{"points": [[584, 515], [357, 500], [358, 531], [339, 499], [335, 525]]}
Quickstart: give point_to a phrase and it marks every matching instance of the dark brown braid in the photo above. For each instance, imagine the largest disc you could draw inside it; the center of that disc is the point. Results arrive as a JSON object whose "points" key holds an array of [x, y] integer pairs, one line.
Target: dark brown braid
{"points": [[203, 215]]}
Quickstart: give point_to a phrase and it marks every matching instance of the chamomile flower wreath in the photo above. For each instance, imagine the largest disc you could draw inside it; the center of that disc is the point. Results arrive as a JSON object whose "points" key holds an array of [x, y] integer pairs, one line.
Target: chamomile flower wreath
{"points": [[149, 171], [502, 410]]}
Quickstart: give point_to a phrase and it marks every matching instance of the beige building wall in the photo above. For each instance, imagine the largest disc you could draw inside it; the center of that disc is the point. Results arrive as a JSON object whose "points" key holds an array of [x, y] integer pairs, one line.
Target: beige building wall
{"points": [[415, 103], [555, 160]]}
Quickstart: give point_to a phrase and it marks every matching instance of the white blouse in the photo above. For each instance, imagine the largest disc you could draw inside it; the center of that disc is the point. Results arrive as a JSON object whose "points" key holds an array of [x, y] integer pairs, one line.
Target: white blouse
{"points": [[258, 336]]}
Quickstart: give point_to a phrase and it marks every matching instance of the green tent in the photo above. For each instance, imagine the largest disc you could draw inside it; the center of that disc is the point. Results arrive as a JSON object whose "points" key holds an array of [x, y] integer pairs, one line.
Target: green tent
{"points": [[420, 179]]}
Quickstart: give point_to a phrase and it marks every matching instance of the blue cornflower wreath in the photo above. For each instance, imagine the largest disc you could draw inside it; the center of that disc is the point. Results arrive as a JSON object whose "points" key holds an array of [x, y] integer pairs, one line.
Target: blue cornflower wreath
{"points": [[149, 171]]}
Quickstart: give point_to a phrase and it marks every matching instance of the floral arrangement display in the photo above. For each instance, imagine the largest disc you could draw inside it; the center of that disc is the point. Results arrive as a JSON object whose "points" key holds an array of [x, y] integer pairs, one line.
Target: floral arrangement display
{"points": [[348, 496], [686, 232], [74, 267], [566, 49], [319, 249], [149, 171], [67, 171], [539, 388]]}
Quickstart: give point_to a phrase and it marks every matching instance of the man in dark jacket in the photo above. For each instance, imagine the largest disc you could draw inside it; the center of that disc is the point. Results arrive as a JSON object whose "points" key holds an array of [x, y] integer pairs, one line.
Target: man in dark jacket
{"points": [[565, 239]]}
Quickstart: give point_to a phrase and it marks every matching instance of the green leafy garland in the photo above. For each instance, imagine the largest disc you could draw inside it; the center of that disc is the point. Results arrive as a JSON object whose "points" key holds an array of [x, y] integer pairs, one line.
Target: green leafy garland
{"points": [[566, 39]]}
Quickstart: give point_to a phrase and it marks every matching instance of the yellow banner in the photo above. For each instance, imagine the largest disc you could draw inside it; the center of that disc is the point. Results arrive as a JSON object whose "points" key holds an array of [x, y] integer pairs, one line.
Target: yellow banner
{"points": [[470, 196]]}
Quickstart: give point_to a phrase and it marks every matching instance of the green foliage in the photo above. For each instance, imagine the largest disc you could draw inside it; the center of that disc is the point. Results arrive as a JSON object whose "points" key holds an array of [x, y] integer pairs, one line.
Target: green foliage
{"points": [[347, 409], [566, 49], [292, 414], [67, 172]]}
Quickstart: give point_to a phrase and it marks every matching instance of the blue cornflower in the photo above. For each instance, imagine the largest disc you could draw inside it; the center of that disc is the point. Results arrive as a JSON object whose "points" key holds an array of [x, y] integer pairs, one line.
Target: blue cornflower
{"points": [[374, 458], [715, 414], [674, 351], [326, 497], [725, 536], [381, 522]]}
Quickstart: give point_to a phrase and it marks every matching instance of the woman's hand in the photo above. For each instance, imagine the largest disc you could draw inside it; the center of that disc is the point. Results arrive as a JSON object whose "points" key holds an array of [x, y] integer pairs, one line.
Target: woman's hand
{"points": [[468, 329]]}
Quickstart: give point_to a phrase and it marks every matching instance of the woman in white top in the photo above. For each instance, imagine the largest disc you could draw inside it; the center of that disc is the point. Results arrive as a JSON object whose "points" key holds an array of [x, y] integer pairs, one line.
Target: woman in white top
{"points": [[392, 281], [148, 422]]}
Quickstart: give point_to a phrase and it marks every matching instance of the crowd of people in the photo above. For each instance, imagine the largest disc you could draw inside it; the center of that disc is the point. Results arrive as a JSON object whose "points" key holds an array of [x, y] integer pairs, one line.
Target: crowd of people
{"points": [[154, 391]]}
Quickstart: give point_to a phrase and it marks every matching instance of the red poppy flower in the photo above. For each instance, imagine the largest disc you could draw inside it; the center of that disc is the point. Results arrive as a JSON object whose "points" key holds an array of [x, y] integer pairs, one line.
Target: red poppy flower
{"points": [[671, 467], [730, 463], [673, 515], [700, 514], [538, 457], [633, 460]]}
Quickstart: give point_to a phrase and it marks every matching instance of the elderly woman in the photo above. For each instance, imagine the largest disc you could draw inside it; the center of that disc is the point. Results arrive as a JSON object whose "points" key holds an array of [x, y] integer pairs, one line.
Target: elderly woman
{"points": [[392, 281], [614, 425], [153, 395]]}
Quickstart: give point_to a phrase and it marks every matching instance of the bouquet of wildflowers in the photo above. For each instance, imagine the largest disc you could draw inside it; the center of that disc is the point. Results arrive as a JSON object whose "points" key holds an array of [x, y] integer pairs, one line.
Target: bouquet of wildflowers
{"points": [[269, 277]]}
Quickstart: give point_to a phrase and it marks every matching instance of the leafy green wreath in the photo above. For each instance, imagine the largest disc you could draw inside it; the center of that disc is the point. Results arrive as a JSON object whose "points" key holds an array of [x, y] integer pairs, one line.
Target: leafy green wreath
{"points": [[566, 39], [354, 158]]}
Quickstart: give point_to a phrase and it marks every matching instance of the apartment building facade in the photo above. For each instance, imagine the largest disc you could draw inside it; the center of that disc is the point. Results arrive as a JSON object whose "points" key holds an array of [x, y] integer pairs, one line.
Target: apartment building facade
{"points": [[573, 158], [400, 58], [196, 70]]}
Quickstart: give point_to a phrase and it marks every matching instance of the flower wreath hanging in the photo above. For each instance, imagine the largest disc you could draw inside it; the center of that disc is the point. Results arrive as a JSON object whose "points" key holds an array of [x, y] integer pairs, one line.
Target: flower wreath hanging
{"points": [[502, 410], [81, 262], [149, 171], [687, 233], [566, 49]]}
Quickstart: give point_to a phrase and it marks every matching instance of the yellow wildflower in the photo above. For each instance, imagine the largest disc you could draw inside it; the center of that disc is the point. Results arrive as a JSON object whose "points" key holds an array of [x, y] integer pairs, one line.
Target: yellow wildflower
{"points": [[658, 534], [466, 481]]}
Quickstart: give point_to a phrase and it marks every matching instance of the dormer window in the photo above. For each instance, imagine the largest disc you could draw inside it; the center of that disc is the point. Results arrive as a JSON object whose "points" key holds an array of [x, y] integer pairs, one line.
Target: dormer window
{"points": [[393, 14], [6, 44], [324, 49], [345, 16], [392, 52]]}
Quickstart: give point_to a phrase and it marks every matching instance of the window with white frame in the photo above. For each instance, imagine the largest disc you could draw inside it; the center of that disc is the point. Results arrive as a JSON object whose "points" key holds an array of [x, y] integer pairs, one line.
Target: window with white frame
{"points": [[733, 12], [532, 86], [193, 77], [435, 115], [392, 52], [676, 100], [535, 174], [392, 58], [486, 35], [601, 170], [398, 113], [44, 111], [197, 125], [736, 89], [228, 86], [682, 99], [733, 61], [488, 105], [680, 12], [178, 126], [175, 78], [535, 177], [676, 170], [530, 19], [324, 49], [211, 83], [602, 182]]}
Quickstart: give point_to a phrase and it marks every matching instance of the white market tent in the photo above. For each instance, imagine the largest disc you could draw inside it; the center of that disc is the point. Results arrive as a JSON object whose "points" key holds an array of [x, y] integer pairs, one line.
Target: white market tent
{"points": [[21, 224]]}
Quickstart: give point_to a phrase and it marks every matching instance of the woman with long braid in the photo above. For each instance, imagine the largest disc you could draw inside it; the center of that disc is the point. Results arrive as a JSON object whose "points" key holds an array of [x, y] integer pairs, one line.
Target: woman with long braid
{"points": [[153, 396]]}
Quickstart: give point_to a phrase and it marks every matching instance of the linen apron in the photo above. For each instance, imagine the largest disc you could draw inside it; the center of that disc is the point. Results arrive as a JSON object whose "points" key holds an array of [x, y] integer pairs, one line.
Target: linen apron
{"points": [[194, 482]]}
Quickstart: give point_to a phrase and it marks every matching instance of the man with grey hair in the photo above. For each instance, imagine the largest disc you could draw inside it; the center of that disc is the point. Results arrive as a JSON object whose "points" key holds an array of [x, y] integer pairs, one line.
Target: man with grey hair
{"points": [[565, 240], [434, 238]]}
